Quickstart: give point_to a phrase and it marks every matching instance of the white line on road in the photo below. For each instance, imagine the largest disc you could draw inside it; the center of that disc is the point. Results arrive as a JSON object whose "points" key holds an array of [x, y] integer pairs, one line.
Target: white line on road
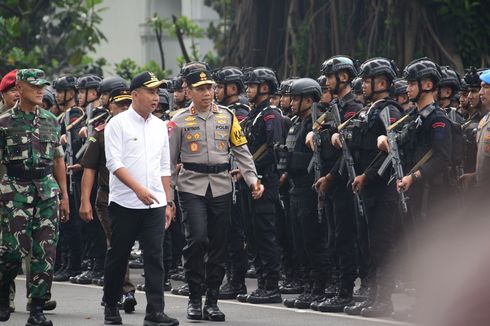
{"points": [[301, 311]]}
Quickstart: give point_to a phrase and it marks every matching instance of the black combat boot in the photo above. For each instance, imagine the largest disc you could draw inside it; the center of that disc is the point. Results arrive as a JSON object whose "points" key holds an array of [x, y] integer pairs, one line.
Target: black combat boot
{"points": [[260, 288], [234, 286], [111, 315], [317, 292], [356, 308], [290, 302], [338, 302], [36, 316], [382, 305], [211, 310], [194, 307], [4, 302], [128, 302], [270, 294]]}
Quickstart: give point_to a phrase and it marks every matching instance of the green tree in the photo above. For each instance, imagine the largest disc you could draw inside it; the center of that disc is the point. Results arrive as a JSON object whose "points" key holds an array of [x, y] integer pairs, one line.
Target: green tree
{"points": [[128, 68], [55, 35]]}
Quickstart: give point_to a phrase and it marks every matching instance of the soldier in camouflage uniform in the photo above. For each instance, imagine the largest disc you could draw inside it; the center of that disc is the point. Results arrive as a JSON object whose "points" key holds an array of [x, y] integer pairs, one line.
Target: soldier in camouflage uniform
{"points": [[30, 149]]}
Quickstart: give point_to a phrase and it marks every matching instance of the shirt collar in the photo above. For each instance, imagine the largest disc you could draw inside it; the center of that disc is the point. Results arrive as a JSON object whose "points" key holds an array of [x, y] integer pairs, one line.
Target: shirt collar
{"points": [[17, 112], [134, 115]]}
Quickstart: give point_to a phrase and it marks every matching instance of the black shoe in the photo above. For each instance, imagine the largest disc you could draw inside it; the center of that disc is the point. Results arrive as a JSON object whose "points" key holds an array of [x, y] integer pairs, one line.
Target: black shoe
{"points": [[177, 276], [230, 290], [4, 311], [356, 308], [289, 302], [378, 309], [335, 304], [112, 316], [64, 276], [304, 302], [48, 305], [128, 302], [37, 318], [159, 319], [138, 263], [362, 293], [167, 286], [262, 296], [98, 280], [314, 304], [88, 277], [292, 287], [183, 290], [211, 312], [194, 309]]}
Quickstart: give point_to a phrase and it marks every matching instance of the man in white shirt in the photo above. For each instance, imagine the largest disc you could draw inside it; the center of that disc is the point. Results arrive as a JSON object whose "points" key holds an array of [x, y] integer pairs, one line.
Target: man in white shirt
{"points": [[137, 152]]}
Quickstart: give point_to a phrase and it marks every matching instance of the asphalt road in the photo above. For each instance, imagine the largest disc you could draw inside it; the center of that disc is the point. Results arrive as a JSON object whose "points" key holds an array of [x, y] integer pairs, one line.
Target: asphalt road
{"points": [[80, 305]]}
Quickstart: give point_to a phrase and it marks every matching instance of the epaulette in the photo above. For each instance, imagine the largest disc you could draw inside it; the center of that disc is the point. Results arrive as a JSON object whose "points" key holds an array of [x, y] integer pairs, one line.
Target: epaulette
{"points": [[100, 127], [175, 113]]}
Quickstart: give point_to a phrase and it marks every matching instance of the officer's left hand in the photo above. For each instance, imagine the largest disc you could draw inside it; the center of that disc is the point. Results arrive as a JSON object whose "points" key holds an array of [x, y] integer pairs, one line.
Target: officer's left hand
{"points": [[309, 141], [74, 168], [63, 139], [359, 182], [258, 192], [404, 184], [64, 208], [169, 216], [236, 174]]}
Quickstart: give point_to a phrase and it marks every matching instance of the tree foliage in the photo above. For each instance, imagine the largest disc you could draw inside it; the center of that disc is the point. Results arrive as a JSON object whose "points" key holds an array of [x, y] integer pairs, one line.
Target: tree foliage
{"points": [[55, 35], [296, 36]]}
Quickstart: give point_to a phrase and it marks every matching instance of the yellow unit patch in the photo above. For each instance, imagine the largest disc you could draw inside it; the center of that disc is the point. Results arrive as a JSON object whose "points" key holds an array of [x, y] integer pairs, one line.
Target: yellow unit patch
{"points": [[237, 138], [194, 147]]}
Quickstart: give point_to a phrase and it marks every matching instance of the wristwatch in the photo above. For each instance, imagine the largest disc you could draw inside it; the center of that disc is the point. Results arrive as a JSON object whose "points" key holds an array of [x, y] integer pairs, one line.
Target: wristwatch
{"points": [[171, 203]]}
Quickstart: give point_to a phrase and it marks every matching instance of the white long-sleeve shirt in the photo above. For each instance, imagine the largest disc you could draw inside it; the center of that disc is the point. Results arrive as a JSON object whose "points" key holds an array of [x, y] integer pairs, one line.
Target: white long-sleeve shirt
{"points": [[142, 147]]}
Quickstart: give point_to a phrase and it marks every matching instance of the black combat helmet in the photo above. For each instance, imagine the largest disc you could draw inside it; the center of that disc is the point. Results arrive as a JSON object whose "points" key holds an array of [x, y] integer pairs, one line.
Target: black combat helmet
{"points": [[422, 68], [285, 86], [110, 83], [322, 81], [338, 63], [356, 85], [230, 75], [306, 87], [48, 98], [89, 82], [65, 83], [472, 78], [164, 97], [450, 78], [262, 75], [378, 67], [400, 87]]}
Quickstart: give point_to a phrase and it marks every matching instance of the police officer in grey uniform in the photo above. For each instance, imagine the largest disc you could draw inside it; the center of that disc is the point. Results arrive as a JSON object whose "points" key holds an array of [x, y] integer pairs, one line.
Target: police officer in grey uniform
{"points": [[202, 137]]}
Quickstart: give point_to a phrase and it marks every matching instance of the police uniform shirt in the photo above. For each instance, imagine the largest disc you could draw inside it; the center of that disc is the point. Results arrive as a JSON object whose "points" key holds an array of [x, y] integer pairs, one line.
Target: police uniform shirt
{"points": [[483, 154], [141, 146], [206, 138], [94, 157]]}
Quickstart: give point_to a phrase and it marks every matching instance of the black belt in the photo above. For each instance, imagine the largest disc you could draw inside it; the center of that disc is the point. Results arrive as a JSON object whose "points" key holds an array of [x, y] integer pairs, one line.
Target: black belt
{"points": [[204, 168], [21, 173]]}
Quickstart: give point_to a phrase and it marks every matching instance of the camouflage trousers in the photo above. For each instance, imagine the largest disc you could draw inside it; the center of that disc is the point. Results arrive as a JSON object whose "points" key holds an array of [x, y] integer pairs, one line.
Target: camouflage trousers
{"points": [[29, 228]]}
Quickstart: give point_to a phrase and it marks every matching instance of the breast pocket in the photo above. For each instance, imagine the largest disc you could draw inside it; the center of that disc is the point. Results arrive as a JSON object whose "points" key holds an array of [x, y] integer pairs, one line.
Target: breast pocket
{"points": [[47, 144], [221, 140], [17, 148], [193, 142]]}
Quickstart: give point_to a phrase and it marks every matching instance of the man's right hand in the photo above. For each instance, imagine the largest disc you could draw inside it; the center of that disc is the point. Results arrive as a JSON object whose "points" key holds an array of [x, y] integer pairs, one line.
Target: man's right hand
{"points": [[383, 143], [323, 184], [146, 196], [85, 212], [336, 140]]}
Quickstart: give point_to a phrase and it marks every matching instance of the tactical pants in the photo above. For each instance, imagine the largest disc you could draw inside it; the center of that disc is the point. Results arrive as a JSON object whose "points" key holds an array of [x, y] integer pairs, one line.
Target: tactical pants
{"points": [[260, 217], [206, 223], [101, 206], [26, 227], [382, 215], [238, 260], [284, 236], [344, 233], [126, 225], [176, 234], [303, 208]]}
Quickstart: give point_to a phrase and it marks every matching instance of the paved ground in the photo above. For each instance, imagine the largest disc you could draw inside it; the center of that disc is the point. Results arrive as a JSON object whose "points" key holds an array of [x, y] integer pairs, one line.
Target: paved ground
{"points": [[80, 305]]}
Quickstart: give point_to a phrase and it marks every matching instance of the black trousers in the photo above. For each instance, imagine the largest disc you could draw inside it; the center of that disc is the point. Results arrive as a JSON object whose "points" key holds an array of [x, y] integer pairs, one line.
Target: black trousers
{"points": [[260, 218], [127, 224], [290, 265], [303, 207], [345, 235], [237, 254], [205, 220]]}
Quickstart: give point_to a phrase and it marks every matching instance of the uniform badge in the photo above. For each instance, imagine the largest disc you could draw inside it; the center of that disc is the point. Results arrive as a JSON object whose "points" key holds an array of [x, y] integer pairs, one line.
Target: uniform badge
{"points": [[197, 136], [188, 137], [193, 147], [190, 123], [221, 145], [190, 118]]}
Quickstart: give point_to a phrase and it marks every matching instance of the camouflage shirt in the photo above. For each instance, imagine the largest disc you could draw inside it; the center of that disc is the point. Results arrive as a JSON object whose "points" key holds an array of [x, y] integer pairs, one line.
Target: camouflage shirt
{"points": [[29, 142]]}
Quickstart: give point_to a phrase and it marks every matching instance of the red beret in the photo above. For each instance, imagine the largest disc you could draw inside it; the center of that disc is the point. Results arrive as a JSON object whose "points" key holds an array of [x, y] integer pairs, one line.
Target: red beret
{"points": [[8, 81]]}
